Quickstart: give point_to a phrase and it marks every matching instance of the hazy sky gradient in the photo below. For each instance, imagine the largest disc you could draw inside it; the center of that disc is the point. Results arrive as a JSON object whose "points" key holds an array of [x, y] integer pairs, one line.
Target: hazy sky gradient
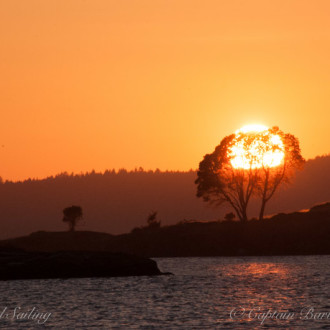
{"points": [[99, 84]]}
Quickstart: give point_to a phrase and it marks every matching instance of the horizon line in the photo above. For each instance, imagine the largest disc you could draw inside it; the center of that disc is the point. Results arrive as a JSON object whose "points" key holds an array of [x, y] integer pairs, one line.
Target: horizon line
{"points": [[136, 169]]}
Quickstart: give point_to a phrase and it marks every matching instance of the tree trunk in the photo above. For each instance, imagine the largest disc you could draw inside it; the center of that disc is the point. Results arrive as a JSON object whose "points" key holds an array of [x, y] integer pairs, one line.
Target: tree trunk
{"points": [[264, 198], [238, 215], [71, 226], [262, 209], [244, 215]]}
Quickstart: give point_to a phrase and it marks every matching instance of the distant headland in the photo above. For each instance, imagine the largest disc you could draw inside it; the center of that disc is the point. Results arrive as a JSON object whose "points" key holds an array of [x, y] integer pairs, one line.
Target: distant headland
{"points": [[298, 233]]}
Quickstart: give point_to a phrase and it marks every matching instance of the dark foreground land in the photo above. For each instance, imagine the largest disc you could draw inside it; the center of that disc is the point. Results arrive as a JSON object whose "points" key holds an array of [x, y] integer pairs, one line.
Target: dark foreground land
{"points": [[299, 233], [16, 265]]}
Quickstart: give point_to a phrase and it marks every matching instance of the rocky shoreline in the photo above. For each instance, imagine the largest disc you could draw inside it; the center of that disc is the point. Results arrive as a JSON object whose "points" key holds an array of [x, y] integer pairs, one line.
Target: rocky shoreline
{"points": [[19, 265]]}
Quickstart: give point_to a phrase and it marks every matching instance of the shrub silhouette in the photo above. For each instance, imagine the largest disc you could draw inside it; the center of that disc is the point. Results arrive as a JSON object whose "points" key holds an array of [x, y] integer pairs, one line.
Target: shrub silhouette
{"points": [[230, 216], [152, 220]]}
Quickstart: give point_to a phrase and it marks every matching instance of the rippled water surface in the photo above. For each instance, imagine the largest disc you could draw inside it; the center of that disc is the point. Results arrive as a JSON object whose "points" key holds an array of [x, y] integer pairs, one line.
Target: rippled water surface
{"points": [[204, 293]]}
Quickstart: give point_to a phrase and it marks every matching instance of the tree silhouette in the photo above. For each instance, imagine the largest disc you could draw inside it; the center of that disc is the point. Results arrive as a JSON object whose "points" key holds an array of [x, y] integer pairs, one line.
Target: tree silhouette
{"points": [[72, 215], [219, 182], [270, 178]]}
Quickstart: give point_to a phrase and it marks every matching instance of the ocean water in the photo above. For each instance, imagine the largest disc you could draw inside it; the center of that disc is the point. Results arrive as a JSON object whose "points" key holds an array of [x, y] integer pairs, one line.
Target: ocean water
{"points": [[204, 293]]}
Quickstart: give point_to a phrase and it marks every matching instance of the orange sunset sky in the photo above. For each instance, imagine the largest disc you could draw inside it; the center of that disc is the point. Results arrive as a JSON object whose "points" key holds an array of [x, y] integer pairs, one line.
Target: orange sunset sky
{"points": [[97, 84]]}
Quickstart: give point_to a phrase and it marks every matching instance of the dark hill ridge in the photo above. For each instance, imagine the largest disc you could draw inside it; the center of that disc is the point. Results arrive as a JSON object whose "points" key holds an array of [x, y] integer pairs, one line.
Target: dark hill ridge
{"points": [[298, 233], [116, 202]]}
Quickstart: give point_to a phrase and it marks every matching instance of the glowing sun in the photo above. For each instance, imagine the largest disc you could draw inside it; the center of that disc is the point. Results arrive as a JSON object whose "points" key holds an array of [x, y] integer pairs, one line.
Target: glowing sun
{"points": [[255, 146]]}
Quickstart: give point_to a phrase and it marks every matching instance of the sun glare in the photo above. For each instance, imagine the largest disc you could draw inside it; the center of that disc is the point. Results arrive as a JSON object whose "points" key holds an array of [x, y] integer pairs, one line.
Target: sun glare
{"points": [[252, 128], [255, 147]]}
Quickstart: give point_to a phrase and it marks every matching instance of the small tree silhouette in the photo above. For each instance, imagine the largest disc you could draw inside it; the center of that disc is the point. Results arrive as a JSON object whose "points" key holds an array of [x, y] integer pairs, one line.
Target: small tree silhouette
{"points": [[72, 215], [152, 220], [230, 216]]}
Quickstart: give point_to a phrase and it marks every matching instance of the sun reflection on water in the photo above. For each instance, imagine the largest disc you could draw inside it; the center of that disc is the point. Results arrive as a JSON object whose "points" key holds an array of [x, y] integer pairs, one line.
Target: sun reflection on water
{"points": [[257, 270]]}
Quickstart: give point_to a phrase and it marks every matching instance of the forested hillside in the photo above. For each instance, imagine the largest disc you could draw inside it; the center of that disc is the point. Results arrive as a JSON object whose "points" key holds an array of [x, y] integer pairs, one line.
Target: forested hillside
{"points": [[116, 202]]}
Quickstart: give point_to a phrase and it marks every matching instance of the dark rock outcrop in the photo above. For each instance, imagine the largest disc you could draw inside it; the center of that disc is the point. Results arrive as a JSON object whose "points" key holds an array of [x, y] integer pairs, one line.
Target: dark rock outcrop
{"points": [[15, 265]]}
